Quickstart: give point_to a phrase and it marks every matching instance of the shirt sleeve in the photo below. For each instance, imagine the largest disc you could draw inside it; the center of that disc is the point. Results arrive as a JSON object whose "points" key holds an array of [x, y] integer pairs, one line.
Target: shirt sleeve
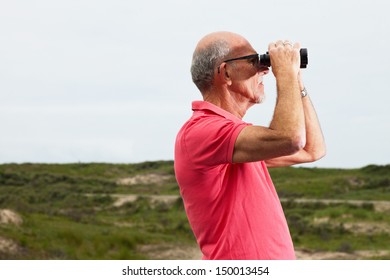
{"points": [[210, 140]]}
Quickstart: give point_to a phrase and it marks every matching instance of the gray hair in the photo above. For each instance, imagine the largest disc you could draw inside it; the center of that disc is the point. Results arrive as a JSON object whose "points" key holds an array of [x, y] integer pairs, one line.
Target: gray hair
{"points": [[204, 62]]}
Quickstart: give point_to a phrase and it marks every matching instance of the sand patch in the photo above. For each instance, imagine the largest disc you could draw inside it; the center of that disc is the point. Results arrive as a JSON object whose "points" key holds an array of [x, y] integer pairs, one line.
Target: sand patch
{"points": [[10, 217], [145, 179]]}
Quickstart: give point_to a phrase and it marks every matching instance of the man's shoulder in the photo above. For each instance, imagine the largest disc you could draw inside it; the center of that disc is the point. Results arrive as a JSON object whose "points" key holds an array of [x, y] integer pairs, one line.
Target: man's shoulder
{"points": [[203, 125]]}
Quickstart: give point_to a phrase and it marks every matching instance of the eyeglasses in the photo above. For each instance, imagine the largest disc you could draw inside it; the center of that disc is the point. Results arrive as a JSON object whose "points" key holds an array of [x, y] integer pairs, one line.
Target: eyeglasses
{"points": [[252, 58]]}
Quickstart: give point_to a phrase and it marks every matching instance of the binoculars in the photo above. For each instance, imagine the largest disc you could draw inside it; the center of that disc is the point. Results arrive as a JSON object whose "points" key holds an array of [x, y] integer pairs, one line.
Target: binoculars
{"points": [[265, 60]]}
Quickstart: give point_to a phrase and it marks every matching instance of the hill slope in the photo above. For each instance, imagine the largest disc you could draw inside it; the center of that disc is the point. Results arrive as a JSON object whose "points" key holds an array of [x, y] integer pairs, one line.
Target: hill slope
{"points": [[134, 211]]}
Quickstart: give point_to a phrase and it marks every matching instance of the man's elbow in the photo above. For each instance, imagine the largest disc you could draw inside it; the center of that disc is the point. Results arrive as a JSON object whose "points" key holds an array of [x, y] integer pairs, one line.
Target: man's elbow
{"points": [[317, 154], [320, 154], [297, 143]]}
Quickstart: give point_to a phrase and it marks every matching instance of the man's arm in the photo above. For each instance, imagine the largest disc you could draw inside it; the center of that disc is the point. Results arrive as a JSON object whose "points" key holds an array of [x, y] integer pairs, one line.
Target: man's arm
{"points": [[286, 134], [315, 144]]}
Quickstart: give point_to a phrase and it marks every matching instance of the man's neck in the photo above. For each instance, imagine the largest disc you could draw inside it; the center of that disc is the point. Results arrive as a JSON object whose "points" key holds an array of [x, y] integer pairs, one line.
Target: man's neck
{"points": [[228, 102]]}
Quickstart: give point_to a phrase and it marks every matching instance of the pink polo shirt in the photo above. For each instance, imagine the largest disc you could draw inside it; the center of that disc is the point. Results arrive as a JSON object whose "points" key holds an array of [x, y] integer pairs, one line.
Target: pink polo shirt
{"points": [[233, 209]]}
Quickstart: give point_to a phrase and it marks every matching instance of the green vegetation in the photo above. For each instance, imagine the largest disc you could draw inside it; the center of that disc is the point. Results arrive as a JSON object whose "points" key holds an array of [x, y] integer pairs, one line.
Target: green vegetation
{"points": [[369, 183], [73, 211]]}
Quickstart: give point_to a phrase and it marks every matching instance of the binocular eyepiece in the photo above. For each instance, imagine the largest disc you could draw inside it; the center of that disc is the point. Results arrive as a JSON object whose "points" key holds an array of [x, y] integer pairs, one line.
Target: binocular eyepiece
{"points": [[265, 59]]}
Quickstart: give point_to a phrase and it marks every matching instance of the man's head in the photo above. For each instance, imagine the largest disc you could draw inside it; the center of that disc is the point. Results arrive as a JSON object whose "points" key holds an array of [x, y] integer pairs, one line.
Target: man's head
{"points": [[210, 51], [215, 66]]}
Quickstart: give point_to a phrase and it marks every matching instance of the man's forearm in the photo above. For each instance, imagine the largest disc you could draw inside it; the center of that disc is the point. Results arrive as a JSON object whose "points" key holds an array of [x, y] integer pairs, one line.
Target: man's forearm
{"points": [[288, 115], [315, 143]]}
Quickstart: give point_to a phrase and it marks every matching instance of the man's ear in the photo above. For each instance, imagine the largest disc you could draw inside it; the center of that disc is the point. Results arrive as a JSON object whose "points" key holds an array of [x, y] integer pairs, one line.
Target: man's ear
{"points": [[224, 73], [227, 76]]}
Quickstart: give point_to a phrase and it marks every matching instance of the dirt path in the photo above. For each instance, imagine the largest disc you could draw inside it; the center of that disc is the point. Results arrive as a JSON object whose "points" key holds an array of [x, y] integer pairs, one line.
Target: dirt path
{"points": [[380, 206], [121, 199], [188, 252]]}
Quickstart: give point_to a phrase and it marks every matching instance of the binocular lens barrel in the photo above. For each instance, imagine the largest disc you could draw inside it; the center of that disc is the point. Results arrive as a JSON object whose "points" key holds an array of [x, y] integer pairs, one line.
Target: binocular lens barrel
{"points": [[265, 60]]}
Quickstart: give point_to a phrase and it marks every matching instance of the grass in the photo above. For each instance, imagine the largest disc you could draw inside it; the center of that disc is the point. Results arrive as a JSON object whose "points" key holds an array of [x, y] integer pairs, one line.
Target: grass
{"points": [[331, 234], [54, 237], [368, 183], [83, 232], [68, 211]]}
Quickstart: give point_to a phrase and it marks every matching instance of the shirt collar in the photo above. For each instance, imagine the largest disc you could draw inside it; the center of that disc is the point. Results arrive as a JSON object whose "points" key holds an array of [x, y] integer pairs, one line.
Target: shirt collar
{"points": [[207, 106]]}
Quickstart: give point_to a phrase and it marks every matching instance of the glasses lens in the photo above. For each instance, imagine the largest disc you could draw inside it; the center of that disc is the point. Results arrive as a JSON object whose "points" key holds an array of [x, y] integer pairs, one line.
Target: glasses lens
{"points": [[254, 60]]}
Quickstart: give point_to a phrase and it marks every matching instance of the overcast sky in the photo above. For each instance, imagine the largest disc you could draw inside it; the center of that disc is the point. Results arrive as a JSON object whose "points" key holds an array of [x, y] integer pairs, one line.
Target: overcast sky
{"points": [[109, 81]]}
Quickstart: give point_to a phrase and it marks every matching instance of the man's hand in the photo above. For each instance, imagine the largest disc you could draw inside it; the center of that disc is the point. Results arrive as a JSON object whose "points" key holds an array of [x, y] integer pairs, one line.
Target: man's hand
{"points": [[285, 58]]}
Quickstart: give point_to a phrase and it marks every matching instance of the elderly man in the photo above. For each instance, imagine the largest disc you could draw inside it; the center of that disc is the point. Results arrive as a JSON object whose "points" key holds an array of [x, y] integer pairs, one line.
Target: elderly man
{"points": [[221, 161]]}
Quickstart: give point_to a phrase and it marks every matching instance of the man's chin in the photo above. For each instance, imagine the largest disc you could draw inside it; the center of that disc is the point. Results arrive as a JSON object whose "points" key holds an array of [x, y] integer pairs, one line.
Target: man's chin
{"points": [[260, 100]]}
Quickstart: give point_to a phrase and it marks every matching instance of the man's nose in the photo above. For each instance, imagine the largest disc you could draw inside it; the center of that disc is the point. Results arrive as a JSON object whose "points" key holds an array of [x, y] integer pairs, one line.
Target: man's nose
{"points": [[263, 70]]}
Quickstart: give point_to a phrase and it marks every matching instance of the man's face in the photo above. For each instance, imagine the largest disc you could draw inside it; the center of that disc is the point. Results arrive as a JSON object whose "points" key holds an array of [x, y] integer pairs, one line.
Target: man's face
{"points": [[247, 80]]}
